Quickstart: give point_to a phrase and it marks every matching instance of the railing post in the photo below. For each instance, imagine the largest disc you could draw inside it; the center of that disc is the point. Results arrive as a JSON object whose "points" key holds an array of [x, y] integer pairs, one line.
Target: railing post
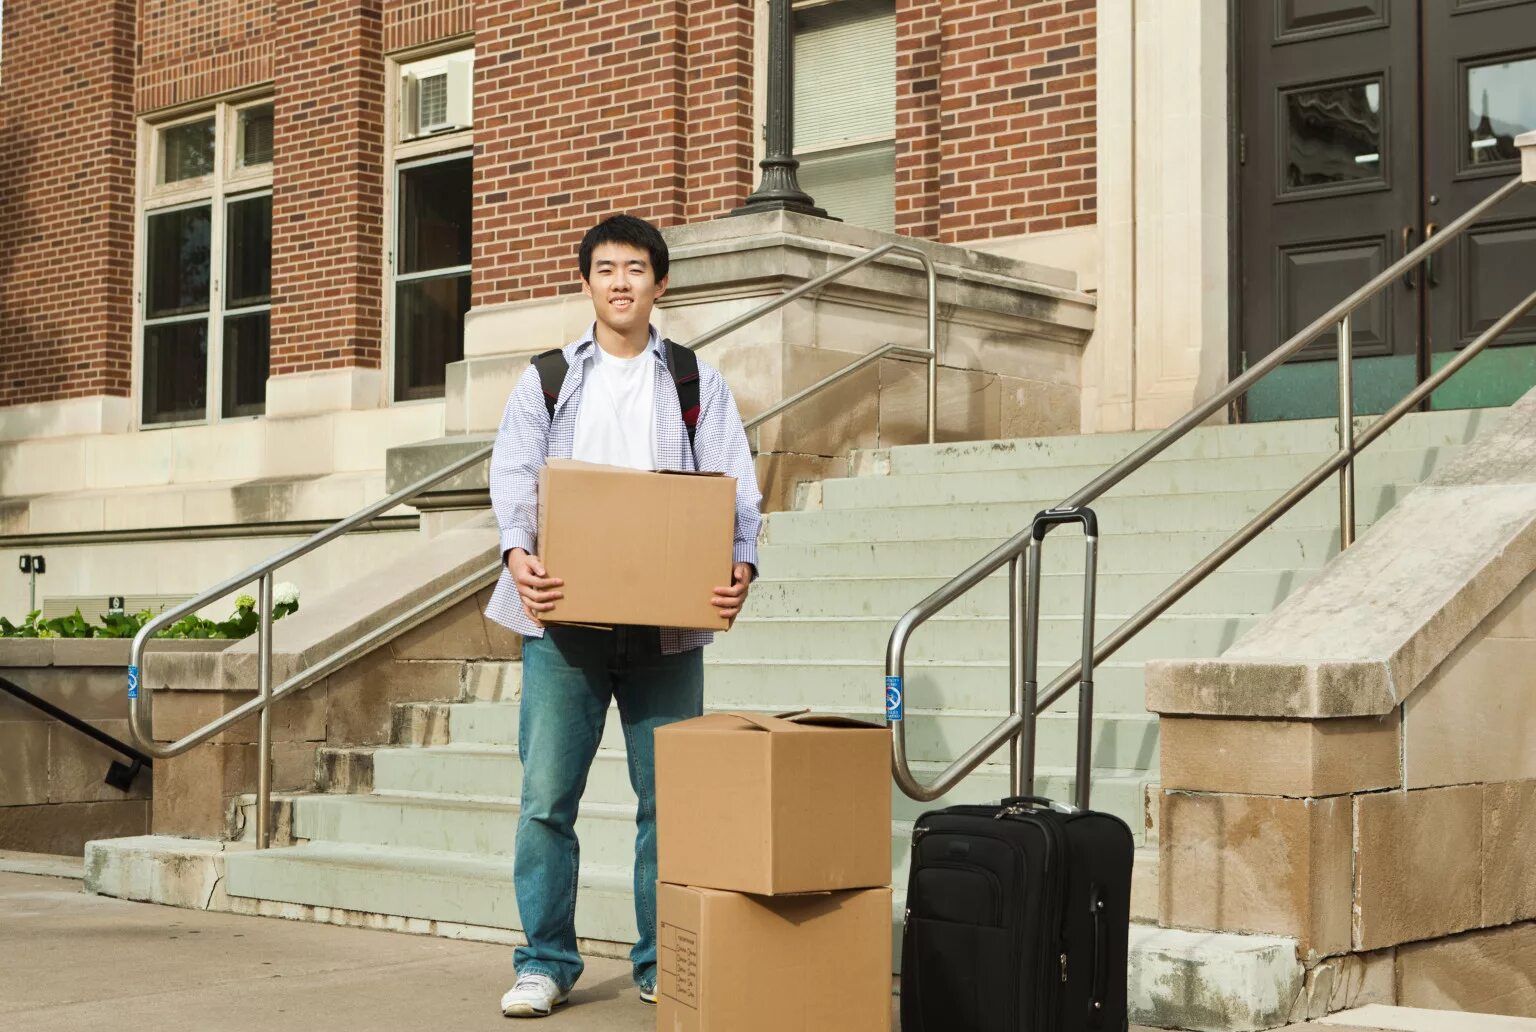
{"points": [[1346, 432], [1024, 783], [1016, 700], [264, 738], [933, 349]]}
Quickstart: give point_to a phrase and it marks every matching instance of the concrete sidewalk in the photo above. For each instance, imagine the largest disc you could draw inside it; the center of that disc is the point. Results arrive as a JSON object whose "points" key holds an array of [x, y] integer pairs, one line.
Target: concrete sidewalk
{"points": [[74, 961]]}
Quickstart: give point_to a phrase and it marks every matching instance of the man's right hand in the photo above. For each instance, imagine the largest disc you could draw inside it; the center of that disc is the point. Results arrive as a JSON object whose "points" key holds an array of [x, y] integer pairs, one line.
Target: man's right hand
{"points": [[537, 589]]}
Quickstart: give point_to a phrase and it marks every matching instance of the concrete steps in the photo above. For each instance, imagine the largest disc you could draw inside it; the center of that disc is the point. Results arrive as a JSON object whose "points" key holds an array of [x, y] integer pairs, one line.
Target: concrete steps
{"points": [[434, 837], [1270, 473], [976, 638], [1121, 740], [446, 887], [1381, 1018], [1118, 515]]}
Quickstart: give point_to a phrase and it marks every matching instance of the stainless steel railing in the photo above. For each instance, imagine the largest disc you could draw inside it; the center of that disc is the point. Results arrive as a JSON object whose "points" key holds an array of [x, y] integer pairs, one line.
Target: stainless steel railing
{"points": [[140, 696], [1019, 726]]}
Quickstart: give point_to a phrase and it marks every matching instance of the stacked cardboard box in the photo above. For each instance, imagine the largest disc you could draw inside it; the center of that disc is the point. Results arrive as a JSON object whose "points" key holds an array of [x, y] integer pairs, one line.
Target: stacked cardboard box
{"points": [[774, 909]]}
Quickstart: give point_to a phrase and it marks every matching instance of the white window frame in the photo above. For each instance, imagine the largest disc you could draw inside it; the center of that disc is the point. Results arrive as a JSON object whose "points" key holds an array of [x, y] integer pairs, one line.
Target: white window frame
{"points": [[217, 191], [400, 152]]}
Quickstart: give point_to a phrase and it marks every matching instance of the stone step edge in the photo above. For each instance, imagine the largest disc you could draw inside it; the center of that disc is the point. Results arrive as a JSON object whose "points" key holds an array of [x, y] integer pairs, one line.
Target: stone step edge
{"points": [[1248, 982], [1420, 1019]]}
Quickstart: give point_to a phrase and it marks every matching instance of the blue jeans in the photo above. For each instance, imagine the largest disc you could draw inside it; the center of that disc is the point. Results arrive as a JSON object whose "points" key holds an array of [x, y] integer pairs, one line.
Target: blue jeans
{"points": [[569, 677]]}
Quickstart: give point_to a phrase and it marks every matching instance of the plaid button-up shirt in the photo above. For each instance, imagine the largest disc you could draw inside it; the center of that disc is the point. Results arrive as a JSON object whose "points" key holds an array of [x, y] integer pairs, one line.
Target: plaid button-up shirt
{"points": [[528, 436]]}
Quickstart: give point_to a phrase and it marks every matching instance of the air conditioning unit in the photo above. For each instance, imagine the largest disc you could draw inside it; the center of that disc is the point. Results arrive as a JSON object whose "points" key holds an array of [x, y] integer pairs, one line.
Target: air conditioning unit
{"points": [[436, 96]]}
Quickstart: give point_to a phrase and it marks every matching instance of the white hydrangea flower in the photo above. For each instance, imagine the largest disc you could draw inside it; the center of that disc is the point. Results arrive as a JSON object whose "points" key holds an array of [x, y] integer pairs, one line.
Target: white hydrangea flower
{"points": [[286, 593]]}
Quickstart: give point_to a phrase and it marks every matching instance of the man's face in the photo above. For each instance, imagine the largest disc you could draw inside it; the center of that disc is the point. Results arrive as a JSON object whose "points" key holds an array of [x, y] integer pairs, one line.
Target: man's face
{"points": [[622, 287]]}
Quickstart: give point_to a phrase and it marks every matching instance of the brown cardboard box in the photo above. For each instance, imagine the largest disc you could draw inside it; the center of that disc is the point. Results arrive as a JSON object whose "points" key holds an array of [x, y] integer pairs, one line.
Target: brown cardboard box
{"points": [[636, 547], [729, 962], [753, 803]]}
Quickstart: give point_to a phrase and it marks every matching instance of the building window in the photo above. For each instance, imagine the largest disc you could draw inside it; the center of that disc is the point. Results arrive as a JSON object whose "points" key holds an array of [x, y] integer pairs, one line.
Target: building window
{"points": [[432, 266], [206, 244], [432, 202], [845, 108]]}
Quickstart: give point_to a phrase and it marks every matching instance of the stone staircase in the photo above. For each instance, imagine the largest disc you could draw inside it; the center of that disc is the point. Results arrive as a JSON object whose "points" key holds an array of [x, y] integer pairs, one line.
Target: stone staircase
{"points": [[424, 830]]}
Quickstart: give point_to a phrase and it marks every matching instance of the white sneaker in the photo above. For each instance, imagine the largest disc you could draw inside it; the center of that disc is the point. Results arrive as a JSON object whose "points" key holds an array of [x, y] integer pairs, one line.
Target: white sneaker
{"points": [[648, 993], [534, 996]]}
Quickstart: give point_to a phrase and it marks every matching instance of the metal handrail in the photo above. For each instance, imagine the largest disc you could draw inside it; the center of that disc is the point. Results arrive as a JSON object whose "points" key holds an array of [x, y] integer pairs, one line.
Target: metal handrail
{"points": [[1020, 725], [140, 703], [931, 353], [883, 351], [119, 775]]}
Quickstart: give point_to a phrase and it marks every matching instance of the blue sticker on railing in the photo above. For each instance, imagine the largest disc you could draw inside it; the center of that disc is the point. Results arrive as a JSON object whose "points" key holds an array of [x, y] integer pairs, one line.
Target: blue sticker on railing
{"points": [[893, 698], [133, 682]]}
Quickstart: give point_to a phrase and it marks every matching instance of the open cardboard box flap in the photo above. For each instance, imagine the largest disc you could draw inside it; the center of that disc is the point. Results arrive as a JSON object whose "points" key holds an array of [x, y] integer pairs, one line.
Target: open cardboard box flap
{"points": [[798, 720]]}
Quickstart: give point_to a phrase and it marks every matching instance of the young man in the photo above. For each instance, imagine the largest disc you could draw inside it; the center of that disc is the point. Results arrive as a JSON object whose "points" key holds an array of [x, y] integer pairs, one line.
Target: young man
{"points": [[617, 404]]}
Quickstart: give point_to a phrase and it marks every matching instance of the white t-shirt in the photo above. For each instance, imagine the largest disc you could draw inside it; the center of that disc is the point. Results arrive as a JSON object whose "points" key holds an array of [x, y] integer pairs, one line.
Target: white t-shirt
{"points": [[615, 424]]}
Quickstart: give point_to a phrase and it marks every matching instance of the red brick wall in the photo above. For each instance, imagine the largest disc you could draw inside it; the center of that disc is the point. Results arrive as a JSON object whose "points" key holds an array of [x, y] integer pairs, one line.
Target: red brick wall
{"points": [[328, 187], [193, 49], [581, 108], [414, 23], [579, 113], [719, 129], [996, 117], [66, 207]]}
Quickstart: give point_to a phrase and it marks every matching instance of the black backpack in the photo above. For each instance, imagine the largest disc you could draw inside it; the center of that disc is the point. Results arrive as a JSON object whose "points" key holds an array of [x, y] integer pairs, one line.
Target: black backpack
{"points": [[682, 363]]}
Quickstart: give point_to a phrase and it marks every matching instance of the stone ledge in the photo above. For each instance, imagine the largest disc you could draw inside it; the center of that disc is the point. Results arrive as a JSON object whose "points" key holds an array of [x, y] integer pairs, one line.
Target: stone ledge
{"points": [[90, 652], [1364, 634]]}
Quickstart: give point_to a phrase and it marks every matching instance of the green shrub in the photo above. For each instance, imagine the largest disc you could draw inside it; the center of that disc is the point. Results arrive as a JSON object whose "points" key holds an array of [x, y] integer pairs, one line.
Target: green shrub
{"points": [[242, 623]]}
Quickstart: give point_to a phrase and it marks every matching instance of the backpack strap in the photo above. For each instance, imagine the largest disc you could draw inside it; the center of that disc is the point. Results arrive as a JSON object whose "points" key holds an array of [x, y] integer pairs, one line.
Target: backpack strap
{"points": [[684, 366], [682, 363], [551, 366]]}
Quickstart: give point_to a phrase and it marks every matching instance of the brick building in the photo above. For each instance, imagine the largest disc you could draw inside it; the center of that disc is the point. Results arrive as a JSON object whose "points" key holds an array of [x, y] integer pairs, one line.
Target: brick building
{"points": [[233, 134], [249, 226]]}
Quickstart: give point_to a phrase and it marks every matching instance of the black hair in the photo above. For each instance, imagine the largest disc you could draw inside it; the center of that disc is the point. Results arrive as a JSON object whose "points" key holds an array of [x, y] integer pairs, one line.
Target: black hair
{"points": [[625, 229]]}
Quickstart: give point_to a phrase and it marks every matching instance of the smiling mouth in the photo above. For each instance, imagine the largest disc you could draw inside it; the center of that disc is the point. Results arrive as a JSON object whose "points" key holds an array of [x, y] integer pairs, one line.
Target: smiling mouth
{"points": [[621, 302]]}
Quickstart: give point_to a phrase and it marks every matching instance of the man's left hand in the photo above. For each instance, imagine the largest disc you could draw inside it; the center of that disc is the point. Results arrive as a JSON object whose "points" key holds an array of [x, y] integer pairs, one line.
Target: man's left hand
{"points": [[730, 600]]}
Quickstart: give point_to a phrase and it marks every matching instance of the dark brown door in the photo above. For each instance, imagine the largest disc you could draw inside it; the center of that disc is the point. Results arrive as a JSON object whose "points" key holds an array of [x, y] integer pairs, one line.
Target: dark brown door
{"points": [[1363, 126], [1328, 168], [1479, 94]]}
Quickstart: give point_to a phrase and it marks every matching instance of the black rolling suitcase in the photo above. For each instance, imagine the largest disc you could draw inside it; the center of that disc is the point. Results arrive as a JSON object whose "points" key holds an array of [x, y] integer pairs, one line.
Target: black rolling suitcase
{"points": [[1018, 915]]}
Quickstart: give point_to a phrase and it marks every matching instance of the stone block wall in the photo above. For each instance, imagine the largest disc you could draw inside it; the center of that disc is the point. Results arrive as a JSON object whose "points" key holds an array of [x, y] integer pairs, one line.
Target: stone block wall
{"points": [[199, 794], [52, 795], [1405, 839]]}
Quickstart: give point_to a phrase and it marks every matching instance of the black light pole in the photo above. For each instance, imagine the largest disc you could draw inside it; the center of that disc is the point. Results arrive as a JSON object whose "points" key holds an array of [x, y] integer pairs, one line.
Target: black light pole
{"points": [[779, 190]]}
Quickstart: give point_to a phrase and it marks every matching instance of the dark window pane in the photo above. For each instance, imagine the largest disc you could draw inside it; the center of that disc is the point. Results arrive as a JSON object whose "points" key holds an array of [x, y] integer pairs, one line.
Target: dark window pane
{"points": [[429, 333], [1332, 135], [1501, 99], [255, 136], [248, 269], [434, 216], [245, 363], [175, 372], [186, 151], [178, 263]]}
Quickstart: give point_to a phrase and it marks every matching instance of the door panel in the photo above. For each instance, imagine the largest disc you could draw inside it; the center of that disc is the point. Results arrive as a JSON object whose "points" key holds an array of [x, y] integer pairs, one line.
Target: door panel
{"points": [[1480, 93], [1328, 173]]}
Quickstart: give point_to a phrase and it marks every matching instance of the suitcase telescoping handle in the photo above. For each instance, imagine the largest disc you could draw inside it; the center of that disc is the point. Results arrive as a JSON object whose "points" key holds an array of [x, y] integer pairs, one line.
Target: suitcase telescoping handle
{"points": [[1044, 523]]}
